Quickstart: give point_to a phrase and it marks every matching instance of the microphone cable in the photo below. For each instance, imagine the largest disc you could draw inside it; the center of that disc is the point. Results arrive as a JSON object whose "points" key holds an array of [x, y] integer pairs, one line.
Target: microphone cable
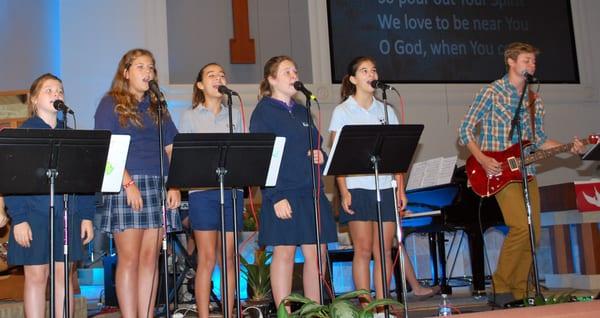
{"points": [[250, 194], [318, 198], [243, 115], [402, 106], [402, 121]]}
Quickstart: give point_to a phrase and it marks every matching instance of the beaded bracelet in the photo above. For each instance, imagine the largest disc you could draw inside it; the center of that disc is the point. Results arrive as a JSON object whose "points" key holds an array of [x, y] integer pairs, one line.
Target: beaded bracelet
{"points": [[128, 184]]}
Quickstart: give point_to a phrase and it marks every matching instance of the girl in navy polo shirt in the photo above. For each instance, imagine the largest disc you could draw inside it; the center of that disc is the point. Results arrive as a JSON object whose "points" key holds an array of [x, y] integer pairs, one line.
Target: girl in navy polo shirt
{"points": [[134, 215], [28, 242], [358, 195], [209, 115], [287, 213]]}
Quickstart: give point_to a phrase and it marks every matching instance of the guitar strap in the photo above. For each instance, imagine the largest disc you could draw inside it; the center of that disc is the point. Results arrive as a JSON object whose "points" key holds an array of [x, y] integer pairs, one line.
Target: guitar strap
{"points": [[532, 98]]}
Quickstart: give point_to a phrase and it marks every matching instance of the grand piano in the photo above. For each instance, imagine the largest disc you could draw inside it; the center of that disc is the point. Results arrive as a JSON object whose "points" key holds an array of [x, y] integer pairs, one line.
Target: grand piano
{"points": [[447, 208]]}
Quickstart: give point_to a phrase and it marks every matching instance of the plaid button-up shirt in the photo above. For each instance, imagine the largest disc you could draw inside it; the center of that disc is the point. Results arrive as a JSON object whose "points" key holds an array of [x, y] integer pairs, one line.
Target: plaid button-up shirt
{"points": [[490, 116]]}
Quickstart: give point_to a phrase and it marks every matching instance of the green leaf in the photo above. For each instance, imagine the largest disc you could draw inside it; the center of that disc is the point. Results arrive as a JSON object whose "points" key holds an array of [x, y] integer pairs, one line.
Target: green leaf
{"points": [[365, 314], [353, 294], [310, 308], [538, 301], [343, 309], [295, 297], [383, 302], [282, 311]]}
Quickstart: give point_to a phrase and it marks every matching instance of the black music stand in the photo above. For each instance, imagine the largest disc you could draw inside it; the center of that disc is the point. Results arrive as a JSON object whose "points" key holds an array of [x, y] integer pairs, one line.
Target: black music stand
{"points": [[592, 154], [46, 161], [374, 149], [232, 160]]}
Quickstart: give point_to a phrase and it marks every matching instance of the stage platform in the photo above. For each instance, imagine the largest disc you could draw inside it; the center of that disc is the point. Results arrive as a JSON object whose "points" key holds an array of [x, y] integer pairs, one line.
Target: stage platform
{"points": [[467, 306], [14, 309]]}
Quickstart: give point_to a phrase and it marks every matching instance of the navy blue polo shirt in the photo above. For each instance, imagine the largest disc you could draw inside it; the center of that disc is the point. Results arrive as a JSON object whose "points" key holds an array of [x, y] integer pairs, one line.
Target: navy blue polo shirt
{"points": [[289, 121], [143, 157]]}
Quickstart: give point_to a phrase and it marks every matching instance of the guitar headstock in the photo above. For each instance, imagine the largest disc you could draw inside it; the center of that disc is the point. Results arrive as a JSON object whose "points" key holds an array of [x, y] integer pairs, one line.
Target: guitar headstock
{"points": [[593, 139]]}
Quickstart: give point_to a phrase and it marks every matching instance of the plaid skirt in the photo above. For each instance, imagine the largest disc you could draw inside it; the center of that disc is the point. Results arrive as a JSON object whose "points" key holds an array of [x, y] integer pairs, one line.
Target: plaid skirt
{"points": [[116, 216]]}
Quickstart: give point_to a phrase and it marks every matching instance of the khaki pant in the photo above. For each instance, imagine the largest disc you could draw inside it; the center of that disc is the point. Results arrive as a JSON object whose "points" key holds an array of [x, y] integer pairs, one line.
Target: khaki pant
{"points": [[514, 263]]}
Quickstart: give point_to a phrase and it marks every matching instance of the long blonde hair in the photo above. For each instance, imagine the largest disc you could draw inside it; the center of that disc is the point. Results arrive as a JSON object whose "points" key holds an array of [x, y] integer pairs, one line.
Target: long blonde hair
{"points": [[126, 104], [34, 90]]}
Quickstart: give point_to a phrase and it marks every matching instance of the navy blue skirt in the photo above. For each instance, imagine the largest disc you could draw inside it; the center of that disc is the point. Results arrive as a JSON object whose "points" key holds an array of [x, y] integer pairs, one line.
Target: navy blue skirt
{"points": [[39, 251], [300, 229], [205, 210], [364, 205]]}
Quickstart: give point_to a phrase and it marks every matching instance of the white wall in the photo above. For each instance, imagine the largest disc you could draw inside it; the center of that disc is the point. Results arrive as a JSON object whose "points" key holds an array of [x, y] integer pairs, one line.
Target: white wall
{"points": [[94, 35], [29, 33]]}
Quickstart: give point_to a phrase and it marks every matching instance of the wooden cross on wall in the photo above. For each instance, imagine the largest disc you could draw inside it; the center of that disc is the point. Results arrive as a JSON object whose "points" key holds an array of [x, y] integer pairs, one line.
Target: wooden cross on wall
{"points": [[241, 47]]}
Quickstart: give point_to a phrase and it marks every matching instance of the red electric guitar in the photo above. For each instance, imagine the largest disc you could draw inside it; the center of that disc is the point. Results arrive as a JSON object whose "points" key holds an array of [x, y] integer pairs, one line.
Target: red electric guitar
{"points": [[486, 186]]}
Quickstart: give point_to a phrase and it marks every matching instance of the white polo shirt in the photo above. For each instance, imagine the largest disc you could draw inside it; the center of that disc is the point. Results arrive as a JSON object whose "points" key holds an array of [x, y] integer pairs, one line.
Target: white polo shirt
{"points": [[202, 120], [350, 113]]}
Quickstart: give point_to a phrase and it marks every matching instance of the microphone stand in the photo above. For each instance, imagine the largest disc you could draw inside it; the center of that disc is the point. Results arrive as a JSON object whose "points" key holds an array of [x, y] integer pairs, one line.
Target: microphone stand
{"points": [[225, 295], [66, 269], [163, 205], [516, 122], [52, 173], [315, 197], [400, 250], [375, 160], [398, 220]]}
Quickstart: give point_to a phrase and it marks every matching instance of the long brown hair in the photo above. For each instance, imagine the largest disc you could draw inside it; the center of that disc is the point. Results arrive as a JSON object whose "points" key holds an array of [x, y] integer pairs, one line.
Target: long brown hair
{"points": [[271, 70], [198, 95], [34, 90], [348, 89], [126, 104]]}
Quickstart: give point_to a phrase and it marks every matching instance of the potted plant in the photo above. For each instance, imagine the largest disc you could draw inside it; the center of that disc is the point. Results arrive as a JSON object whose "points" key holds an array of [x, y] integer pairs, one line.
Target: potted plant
{"points": [[340, 307], [258, 277]]}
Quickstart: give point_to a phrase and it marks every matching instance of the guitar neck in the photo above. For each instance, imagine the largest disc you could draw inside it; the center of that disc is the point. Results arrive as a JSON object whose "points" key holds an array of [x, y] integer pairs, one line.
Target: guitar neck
{"points": [[547, 153]]}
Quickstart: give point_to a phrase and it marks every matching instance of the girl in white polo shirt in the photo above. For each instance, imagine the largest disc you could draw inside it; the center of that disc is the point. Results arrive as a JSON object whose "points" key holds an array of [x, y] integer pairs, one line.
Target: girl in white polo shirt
{"points": [[358, 195]]}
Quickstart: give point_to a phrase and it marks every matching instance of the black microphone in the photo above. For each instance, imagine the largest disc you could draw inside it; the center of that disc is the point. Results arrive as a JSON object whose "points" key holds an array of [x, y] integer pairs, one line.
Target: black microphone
{"points": [[224, 90], [529, 77], [377, 84], [300, 87], [153, 87], [60, 106]]}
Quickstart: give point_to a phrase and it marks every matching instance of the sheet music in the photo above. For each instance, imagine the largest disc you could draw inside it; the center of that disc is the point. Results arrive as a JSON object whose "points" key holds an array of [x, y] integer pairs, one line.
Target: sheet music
{"points": [[431, 172], [276, 157], [115, 163], [446, 170], [415, 177]]}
